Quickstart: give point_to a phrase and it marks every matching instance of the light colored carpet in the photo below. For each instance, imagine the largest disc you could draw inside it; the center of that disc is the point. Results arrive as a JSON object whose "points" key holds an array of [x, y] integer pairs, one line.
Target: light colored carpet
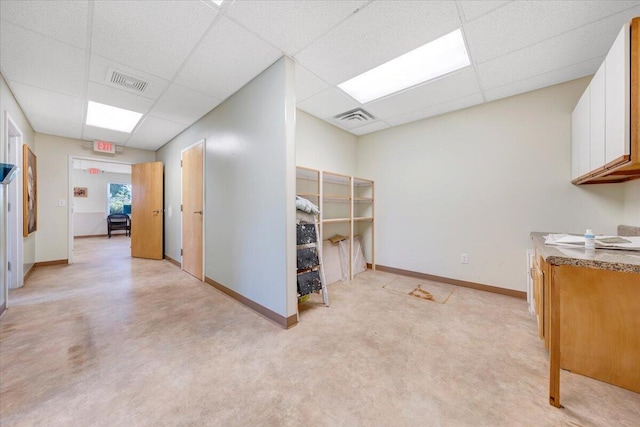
{"points": [[111, 341]]}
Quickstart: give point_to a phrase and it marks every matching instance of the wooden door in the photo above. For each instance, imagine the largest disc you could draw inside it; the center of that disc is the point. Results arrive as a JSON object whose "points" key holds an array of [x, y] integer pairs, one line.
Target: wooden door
{"points": [[146, 210], [192, 210]]}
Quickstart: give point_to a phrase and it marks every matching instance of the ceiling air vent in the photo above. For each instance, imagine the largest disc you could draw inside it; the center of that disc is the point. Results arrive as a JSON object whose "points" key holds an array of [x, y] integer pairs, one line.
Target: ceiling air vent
{"points": [[355, 116], [129, 82]]}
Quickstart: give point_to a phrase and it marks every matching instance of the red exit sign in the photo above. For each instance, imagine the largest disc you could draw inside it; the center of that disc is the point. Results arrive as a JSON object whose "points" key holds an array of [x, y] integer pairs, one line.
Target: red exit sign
{"points": [[104, 147]]}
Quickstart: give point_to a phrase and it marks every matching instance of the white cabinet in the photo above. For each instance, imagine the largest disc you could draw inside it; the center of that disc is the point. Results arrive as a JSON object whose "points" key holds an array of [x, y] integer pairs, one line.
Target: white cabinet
{"points": [[581, 136], [603, 130], [597, 119], [618, 94]]}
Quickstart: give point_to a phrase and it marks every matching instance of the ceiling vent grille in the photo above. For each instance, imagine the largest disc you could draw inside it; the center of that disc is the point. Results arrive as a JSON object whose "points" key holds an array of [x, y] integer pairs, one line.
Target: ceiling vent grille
{"points": [[355, 116], [129, 82]]}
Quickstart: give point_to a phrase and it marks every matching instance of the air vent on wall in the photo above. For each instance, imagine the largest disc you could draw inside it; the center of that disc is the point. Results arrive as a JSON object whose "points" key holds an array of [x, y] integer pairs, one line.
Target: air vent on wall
{"points": [[357, 115], [129, 82]]}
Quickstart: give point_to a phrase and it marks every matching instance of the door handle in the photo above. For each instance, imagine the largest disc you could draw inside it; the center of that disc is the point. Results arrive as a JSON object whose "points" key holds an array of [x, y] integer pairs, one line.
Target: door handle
{"points": [[157, 211], [198, 212]]}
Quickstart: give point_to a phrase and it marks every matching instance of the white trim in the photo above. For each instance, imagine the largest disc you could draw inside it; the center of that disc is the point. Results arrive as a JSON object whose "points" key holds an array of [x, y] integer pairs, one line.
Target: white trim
{"points": [[70, 196], [15, 242], [203, 141]]}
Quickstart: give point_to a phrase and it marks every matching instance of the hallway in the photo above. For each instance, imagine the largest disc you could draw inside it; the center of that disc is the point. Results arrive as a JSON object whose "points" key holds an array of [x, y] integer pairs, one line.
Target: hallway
{"points": [[115, 341]]}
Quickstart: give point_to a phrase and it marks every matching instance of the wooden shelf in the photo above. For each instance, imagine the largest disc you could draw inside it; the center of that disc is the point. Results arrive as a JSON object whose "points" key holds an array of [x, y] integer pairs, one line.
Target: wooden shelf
{"points": [[345, 200], [360, 182], [362, 200], [336, 178], [336, 198], [335, 220], [307, 174]]}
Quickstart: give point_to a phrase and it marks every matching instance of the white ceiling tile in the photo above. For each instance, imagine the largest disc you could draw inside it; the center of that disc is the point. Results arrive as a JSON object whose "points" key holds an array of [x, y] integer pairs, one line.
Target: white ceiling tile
{"points": [[291, 25], [154, 132], [328, 103], [94, 133], [153, 36], [456, 85], [379, 32], [118, 98], [573, 47], [183, 105], [40, 61], [50, 112], [65, 21], [228, 58], [99, 69], [543, 80], [372, 127], [523, 23], [474, 9], [446, 107], [307, 83]]}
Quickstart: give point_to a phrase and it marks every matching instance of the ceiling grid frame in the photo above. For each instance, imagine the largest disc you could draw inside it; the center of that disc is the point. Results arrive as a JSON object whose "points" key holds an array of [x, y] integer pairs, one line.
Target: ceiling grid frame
{"points": [[177, 100]]}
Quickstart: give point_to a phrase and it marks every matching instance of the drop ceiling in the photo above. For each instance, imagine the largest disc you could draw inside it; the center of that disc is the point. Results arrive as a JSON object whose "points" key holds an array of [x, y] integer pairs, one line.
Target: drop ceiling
{"points": [[56, 55]]}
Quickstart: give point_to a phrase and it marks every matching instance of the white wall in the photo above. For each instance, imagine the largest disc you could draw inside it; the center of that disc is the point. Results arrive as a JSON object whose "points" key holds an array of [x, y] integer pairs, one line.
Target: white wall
{"points": [[53, 152], [90, 213], [479, 181], [249, 195], [632, 203], [320, 145], [9, 105]]}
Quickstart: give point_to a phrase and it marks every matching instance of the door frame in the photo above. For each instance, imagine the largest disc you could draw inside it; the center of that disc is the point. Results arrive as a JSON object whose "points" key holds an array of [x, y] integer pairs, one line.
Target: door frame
{"points": [[203, 141], [73, 157], [15, 242]]}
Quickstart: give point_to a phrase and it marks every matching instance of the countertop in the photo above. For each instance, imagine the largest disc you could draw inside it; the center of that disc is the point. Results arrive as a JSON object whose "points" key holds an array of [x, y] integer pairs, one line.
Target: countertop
{"points": [[603, 259]]}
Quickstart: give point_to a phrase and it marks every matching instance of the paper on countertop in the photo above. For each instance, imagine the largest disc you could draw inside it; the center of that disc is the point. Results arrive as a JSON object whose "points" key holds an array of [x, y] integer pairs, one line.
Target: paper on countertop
{"points": [[628, 243]]}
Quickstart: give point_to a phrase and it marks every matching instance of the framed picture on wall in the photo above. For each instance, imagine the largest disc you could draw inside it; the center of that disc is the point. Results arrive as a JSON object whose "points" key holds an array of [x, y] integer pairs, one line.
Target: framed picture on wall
{"points": [[29, 192], [80, 192]]}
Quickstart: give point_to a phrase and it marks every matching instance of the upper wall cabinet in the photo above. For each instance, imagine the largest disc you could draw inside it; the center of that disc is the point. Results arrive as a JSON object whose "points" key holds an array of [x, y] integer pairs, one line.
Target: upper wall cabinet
{"points": [[605, 135]]}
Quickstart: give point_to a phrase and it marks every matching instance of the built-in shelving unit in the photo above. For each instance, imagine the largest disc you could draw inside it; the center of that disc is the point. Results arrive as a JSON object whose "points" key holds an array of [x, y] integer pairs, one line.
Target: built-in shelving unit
{"points": [[346, 207], [362, 224]]}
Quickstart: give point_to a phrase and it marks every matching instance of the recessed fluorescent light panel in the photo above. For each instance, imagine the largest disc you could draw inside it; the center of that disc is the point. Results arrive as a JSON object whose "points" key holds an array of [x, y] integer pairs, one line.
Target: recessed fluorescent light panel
{"points": [[218, 2], [430, 61], [114, 118]]}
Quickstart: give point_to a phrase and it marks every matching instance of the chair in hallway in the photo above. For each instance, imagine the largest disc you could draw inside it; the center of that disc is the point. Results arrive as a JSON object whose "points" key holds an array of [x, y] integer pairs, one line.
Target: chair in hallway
{"points": [[119, 222]]}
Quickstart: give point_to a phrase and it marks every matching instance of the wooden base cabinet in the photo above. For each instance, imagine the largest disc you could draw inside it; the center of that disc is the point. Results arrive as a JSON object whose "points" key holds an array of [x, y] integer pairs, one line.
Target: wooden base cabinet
{"points": [[590, 322], [541, 297], [599, 324]]}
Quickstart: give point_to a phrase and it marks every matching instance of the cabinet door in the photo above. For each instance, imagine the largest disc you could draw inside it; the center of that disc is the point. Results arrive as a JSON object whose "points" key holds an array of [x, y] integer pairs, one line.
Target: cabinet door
{"points": [[597, 119], [618, 87], [581, 136], [538, 297]]}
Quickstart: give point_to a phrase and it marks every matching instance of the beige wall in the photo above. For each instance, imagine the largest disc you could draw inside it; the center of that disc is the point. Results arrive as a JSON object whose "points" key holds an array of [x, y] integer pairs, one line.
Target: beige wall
{"points": [[320, 145], [9, 105], [52, 238], [632, 203], [250, 181], [90, 213], [478, 181]]}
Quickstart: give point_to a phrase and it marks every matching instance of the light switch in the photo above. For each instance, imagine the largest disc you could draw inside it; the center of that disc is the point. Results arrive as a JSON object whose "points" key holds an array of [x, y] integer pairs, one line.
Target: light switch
{"points": [[62, 203]]}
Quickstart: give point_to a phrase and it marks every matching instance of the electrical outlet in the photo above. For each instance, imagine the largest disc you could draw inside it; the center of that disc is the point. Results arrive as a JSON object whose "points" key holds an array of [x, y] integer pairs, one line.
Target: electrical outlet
{"points": [[62, 203], [464, 258]]}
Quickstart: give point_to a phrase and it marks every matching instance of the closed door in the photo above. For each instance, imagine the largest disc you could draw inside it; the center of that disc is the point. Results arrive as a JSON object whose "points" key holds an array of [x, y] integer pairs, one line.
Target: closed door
{"points": [[146, 210], [192, 210]]}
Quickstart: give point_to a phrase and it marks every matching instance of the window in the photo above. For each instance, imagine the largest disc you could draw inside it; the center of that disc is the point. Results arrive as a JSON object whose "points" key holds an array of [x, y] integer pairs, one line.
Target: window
{"points": [[118, 198]]}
